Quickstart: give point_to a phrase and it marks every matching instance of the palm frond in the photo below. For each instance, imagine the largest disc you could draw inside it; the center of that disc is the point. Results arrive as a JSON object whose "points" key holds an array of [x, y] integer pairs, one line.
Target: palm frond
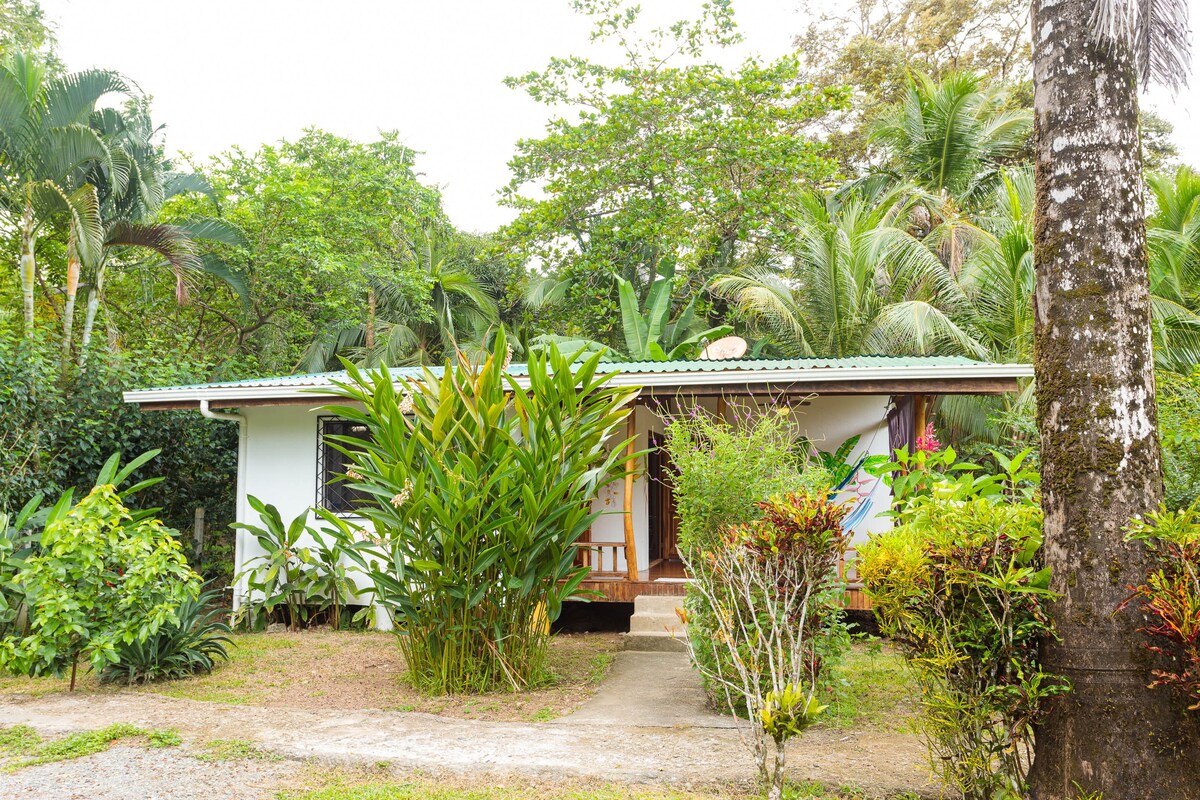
{"points": [[1155, 30], [70, 99], [213, 231]]}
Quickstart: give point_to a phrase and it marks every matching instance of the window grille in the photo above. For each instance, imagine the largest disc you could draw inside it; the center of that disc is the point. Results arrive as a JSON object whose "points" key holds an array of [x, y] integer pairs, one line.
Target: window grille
{"points": [[334, 492]]}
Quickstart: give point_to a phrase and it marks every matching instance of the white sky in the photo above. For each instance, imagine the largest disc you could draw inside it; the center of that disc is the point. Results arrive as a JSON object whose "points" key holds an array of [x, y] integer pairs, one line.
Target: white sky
{"points": [[245, 72]]}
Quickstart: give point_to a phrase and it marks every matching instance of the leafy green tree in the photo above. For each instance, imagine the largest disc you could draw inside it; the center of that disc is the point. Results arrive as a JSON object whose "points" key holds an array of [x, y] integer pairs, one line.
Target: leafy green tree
{"points": [[23, 28], [102, 576], [670, 161], [57, 434], [322, 218]]}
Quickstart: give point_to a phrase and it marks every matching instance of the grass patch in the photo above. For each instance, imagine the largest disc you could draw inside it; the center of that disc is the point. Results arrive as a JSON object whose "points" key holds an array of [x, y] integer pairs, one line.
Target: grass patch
{"points": [[21, 746], [235, 750], [871, 688], [378, 785], [324, 670], [165, 738]]}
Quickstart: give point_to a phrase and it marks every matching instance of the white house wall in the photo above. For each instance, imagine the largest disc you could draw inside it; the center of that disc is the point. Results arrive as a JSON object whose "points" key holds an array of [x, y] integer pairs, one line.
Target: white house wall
{"points": [[281, 463], [281, 470]]}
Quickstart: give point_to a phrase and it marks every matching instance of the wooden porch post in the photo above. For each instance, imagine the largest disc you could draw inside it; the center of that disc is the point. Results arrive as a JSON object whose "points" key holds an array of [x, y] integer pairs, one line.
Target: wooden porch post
{"points": [[918, 417], [630, 464]]}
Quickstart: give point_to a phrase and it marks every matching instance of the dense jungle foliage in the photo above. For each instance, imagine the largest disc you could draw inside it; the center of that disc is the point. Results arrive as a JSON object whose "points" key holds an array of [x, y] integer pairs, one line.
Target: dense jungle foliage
{"points": [[870, 192]]}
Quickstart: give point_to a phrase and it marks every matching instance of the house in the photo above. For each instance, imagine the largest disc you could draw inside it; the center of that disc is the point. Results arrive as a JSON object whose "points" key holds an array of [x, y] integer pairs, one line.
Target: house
{"points": [[881, 400]]}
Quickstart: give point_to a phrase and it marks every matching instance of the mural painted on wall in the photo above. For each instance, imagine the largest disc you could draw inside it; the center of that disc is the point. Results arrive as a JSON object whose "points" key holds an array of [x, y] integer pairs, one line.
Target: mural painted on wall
{"points": [[852, 480]]}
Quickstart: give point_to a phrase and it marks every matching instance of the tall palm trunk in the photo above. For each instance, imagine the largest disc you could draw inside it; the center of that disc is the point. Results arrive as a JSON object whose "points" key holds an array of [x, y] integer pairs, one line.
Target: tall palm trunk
{"points": [[28, 265], [69, 307], [89, 317], [1101, 463], [369, 335]]}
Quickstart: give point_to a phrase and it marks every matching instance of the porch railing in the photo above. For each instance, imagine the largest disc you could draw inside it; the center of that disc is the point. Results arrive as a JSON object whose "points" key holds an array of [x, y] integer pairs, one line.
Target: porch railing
{"points": [[602, 558]]}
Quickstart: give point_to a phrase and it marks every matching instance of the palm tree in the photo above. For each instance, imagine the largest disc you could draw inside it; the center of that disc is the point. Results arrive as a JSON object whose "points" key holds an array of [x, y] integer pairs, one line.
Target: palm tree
{"points": [[857, 282], [950, 137], [405, 328], [948, 140], [1173, 242], [1101, 459], [131, 192], [46, 150]]}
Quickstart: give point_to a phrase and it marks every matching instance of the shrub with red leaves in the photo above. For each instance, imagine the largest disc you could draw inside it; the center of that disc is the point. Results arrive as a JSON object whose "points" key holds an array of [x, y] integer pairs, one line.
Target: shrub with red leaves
{"points": [[1170, 597]]}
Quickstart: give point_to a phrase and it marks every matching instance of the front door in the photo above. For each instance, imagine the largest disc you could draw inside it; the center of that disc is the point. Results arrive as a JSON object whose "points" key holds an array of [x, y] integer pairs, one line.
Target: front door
{"points": [[664, 524]]}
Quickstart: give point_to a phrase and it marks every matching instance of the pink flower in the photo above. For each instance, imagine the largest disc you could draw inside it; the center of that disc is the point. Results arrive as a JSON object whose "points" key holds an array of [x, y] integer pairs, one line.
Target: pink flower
{"points": [[928, 442]]}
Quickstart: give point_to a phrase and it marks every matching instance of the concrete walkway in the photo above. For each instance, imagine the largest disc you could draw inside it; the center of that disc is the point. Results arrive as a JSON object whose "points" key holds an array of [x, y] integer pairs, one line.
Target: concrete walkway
{"points": [[649, 690]]}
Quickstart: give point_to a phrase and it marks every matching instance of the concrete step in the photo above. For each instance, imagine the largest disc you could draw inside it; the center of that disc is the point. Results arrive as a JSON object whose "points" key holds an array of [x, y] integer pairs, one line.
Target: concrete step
{"points": [[655, 626], [662, 642], [656, 623], [654, 604]]}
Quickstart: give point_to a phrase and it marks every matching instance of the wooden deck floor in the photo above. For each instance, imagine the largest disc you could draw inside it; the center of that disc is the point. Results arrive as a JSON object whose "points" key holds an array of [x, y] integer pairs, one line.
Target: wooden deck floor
{"points": [[666, 579]]}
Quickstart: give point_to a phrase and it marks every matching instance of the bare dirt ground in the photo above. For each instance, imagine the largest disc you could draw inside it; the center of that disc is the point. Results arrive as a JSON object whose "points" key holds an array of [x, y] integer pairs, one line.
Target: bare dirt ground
{"points": [[695, 749], [323, 670]]}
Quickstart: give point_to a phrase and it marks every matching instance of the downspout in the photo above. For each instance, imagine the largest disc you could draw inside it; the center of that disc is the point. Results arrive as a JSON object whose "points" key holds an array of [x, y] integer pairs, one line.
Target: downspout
{"points": [[240, 499]]}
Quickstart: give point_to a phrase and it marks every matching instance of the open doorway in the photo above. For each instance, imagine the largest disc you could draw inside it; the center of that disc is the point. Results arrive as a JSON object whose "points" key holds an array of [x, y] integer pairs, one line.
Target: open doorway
{"points": [[664, 522]]}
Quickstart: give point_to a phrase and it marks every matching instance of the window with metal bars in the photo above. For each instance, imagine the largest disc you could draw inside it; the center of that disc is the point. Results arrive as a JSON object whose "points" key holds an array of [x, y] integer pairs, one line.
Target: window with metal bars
{"points": [[334, 492]]}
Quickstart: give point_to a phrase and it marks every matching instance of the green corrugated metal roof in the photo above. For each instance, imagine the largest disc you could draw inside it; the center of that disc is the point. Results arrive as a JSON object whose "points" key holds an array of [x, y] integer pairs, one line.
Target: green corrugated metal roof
{"points": [[627, 367]]}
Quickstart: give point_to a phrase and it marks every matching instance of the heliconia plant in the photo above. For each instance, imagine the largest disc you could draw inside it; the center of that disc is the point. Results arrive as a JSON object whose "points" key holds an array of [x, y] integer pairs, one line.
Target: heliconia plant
{"points": [[481, 486]]}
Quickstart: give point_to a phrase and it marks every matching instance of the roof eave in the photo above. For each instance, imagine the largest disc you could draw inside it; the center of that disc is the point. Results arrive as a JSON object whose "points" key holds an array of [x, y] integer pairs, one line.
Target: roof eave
{"points": [[936, 379]]}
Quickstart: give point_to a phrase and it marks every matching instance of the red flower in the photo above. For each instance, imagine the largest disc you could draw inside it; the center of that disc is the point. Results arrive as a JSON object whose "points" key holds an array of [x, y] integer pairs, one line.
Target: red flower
{"points": [[928, 442]]}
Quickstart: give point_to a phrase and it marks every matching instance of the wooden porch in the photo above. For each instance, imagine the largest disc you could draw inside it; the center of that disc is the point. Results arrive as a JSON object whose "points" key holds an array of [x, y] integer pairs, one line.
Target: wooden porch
{"points": [[669, 579], [665, 579], [615, 576]]}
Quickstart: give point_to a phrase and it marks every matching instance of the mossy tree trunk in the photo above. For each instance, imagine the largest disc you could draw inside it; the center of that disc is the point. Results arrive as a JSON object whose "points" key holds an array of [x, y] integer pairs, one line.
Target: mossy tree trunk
{"points": [[1101, 463]]}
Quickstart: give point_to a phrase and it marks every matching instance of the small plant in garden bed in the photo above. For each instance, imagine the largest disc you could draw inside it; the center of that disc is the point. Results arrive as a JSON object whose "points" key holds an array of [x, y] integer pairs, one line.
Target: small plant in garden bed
{"points": [[301, 571], [767, 587], [193, 643], [102, 575], [724, 472], [1169, 596]]}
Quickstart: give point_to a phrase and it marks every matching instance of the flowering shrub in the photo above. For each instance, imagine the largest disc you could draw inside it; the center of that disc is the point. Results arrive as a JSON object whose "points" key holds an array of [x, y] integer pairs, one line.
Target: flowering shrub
{"points": [[959, 585], [724, 471], [768, 588], [1170, 598]]}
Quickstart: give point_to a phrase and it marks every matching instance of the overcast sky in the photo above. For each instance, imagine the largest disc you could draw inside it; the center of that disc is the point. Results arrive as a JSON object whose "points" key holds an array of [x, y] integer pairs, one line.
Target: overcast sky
{"points": [[245, 72]]}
